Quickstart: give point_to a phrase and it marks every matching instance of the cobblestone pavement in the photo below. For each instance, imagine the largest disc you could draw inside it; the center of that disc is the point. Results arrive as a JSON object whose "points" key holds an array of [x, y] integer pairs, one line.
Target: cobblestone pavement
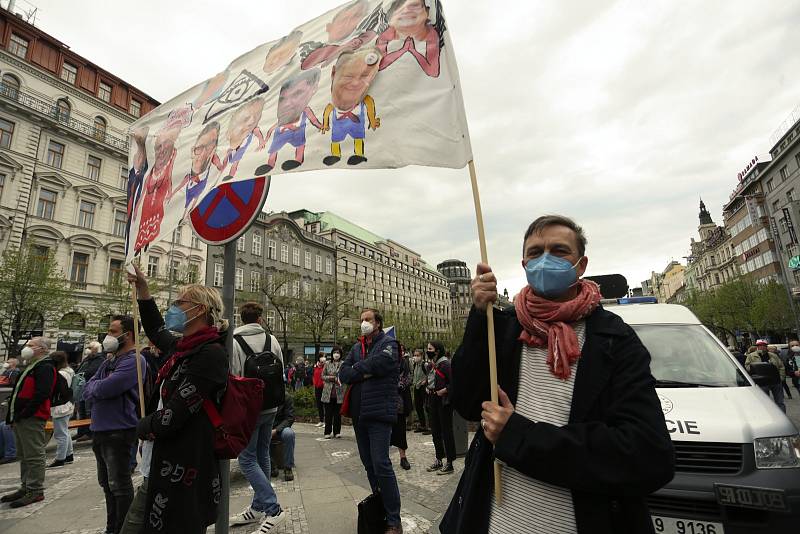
{"points": [[329, 481]]}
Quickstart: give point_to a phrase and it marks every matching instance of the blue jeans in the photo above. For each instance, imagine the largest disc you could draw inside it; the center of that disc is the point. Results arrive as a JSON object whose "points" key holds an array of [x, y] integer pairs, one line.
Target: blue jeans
{"points": [[84, 412], [287, 438], [7, 444], [62, 437], [254, 461], [373, 448]]}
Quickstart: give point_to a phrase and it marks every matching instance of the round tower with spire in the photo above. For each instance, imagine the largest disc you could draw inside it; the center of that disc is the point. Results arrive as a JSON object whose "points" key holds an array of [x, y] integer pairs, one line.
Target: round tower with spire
{"points": [[707, 226]]}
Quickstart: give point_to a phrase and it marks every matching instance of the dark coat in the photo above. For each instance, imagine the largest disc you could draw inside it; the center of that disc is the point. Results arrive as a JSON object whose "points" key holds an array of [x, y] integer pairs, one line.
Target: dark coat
{"points": [[284, 417], [91, 364], [31, 395], [377, 395], [614, 451], [183, 488]]}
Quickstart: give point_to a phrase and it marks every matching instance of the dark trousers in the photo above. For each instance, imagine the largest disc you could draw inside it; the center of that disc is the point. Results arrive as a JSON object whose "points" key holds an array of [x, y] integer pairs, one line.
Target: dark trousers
{"points": [[786, 391], [442, 428], [84, 412], [777, 395], [333, 418], [320, 407], [419, 405], [373, 448], [112, 450]]}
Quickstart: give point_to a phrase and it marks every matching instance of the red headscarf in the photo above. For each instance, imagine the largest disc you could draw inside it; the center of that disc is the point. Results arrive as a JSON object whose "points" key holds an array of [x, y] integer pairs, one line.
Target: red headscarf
{"points": [[184, 345], [545, 322]]}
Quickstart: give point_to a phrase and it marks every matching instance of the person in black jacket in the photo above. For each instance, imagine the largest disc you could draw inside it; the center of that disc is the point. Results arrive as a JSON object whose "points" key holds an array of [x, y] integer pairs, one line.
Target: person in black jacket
{"points": [[372, 369], [282, 432], [88, 367], [181, 488], [440, 408], [579, 430]]}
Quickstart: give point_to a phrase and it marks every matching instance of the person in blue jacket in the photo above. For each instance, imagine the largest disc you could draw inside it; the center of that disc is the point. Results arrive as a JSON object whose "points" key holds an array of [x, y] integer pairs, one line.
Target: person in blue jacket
{"points": [[372, 369]]}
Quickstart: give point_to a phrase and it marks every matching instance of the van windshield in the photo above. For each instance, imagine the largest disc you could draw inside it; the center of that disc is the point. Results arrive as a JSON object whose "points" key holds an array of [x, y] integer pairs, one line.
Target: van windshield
{"points": [[688, 356]]}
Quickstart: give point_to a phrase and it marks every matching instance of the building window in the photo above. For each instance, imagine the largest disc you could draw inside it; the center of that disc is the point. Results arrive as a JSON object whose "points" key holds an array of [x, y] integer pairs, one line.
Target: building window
{"points": [[152, 266], [6, 133], [306, 287], [308, 260], [123, 177], [80, 268], [284, 253], [69, 73], [10, 86], [115, 270], [319, 263], [271, 320], [86, 214], [177, 235], [784, 173], [174, 267], [55, 154], [18, 46], [192, 273], [271, 250], [296, 288], [63, 109], [770, 185], [100, 127], [93, 168], [256, 245], [120, 222], [46, 208], [136, 108], [239, 284], [195, 241], [296, 256], [790, 195], [218, 270], [329, 267], [241, 244], [2, 184], [255, 281], [104, 92]]}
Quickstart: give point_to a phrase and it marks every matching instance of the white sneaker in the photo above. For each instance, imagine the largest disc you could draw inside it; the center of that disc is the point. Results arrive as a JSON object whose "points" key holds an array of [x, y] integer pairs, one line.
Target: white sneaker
{"points": [[319, 425], [328, 436], [337, 436], [247, 516], [270, 522]]}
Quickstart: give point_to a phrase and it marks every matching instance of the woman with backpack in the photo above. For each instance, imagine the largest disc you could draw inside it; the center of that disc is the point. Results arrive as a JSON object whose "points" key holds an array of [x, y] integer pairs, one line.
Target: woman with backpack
{"points": [[441, 411], [181, 488], [61, 409]]}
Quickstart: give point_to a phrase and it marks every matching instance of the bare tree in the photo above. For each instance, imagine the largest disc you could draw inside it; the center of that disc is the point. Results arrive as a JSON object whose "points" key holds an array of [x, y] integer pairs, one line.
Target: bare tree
{"points": [[279, 295]]}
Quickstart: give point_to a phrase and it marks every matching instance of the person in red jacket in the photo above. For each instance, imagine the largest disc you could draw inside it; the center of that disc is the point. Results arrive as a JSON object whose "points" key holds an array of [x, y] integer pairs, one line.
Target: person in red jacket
{"points": [[28, 411], [318, 385]]}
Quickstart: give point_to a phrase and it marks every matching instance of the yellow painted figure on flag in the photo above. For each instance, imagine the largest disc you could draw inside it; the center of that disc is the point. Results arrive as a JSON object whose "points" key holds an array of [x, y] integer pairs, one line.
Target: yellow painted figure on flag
{"points": [[352, 110]]}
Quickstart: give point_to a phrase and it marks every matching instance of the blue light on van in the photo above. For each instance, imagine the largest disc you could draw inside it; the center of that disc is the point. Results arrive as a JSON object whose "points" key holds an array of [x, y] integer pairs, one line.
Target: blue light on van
{"points": [[638, 300]]}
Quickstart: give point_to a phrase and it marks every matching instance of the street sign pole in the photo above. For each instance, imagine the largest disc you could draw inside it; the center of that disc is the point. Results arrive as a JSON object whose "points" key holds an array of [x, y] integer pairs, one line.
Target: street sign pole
{"points": [[228, 280]]}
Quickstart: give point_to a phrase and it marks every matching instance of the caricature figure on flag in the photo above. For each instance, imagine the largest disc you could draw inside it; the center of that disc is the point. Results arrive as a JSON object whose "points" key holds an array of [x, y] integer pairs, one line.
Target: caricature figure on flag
{"points": [[372, 84]]}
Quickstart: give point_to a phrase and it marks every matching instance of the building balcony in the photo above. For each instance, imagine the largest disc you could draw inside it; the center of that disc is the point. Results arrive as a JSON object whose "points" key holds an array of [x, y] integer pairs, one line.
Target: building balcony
{"points": [[50, 111]]}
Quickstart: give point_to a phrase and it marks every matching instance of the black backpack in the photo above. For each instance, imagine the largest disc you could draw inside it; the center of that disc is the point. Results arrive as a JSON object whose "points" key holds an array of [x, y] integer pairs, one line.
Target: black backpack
{"points": [[266, 367]]}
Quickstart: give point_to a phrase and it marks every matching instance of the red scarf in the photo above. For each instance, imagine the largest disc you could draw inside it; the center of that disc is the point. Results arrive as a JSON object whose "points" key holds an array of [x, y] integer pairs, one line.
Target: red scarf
{"points": [[186, 344], [545, 322]]}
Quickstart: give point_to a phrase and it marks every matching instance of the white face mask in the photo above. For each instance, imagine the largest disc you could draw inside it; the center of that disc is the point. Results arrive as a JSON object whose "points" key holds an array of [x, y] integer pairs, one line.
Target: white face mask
{"points": [[336, 355], [366, 328], [417, 358], [5, 366], [110, 343], [795, 349], [26, 353]]}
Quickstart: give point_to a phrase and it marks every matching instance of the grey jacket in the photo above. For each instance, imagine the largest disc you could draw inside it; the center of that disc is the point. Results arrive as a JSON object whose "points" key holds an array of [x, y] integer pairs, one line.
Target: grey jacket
{"points": [[330, 376]]}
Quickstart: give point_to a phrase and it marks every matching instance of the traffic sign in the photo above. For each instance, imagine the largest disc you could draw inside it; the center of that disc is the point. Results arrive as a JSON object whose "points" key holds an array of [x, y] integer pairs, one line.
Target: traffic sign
{"points": [[227, 211]]}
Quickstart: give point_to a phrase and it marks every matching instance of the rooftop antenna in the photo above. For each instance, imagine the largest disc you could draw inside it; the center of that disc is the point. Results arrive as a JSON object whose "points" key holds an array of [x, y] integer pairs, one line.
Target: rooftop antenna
{"points": [[30, 16]]}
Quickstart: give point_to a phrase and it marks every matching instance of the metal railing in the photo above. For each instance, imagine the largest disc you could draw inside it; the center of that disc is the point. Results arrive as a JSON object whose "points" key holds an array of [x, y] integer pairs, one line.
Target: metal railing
{"points": [[52, 111]]}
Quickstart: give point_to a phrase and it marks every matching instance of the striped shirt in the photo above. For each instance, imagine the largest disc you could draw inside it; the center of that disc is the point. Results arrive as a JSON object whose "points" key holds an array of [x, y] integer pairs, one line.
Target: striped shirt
{"points": [[528, 505]]}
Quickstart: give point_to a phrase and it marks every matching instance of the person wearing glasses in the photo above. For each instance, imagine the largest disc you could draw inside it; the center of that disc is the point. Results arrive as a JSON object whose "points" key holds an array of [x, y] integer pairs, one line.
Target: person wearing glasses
{"points": [[181, 486]]}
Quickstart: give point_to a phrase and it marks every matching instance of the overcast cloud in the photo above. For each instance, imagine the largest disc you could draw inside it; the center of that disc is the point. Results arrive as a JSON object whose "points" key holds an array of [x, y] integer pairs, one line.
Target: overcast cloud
{"points": [[619, 114]]}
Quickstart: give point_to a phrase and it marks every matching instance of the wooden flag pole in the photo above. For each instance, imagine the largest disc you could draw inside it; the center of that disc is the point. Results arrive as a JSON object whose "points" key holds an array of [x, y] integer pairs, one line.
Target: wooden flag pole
{"points": [[137, 348], [489, 315]]}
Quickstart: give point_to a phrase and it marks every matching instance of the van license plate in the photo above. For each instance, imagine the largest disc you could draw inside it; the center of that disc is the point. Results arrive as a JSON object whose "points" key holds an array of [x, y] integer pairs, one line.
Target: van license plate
{"points": [[671, 525]]}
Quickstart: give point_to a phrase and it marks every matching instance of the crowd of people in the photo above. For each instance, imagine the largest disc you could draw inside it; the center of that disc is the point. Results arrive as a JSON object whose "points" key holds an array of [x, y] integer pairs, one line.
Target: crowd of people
{"points": [[554, 429]]}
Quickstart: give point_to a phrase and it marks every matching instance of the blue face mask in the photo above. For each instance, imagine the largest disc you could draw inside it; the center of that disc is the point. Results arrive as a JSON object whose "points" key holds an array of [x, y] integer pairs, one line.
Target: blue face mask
{"points": [[550, 276], [175, 318]]}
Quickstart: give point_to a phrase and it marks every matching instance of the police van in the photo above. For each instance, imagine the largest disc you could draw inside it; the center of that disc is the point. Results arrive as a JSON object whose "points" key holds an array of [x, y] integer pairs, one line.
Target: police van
{"points": [[737, 455]]}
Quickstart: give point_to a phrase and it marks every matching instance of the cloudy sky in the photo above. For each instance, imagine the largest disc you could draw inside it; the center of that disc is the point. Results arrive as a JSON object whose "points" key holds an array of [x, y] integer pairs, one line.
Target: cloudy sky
{"points": [[618, 114]]}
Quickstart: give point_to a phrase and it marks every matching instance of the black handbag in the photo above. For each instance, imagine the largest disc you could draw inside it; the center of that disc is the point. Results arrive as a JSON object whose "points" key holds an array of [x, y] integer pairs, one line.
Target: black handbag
{"points": [[371, 515]]}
